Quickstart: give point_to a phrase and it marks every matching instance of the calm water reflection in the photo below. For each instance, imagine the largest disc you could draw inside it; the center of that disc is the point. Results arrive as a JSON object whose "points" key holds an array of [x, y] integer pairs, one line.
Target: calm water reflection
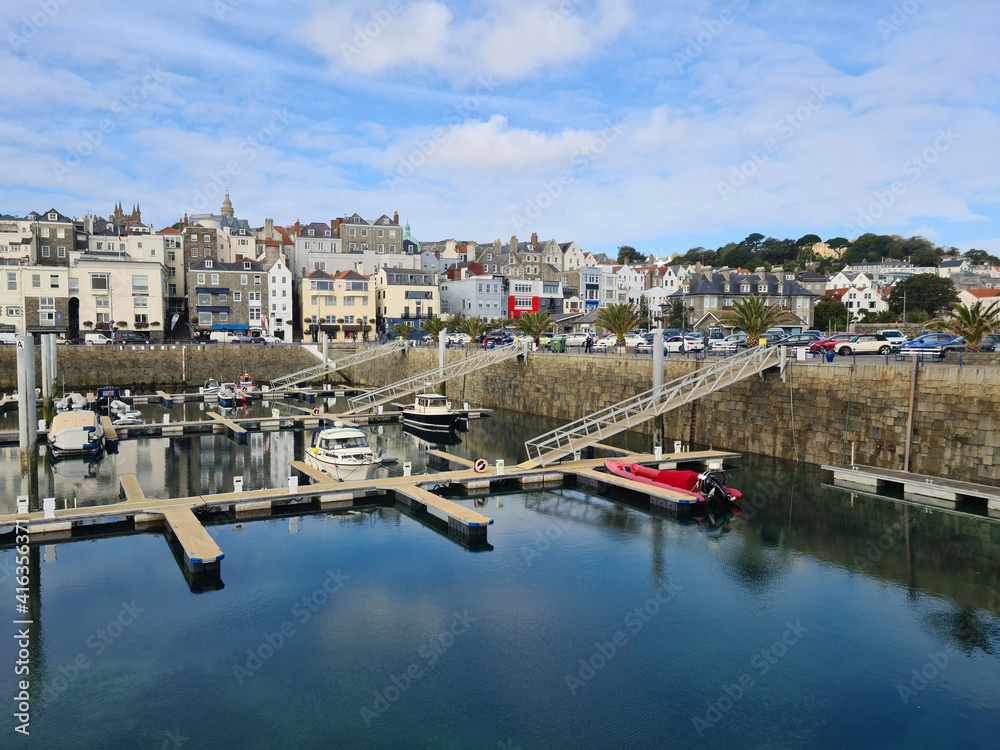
{"points": [[592, 623]]}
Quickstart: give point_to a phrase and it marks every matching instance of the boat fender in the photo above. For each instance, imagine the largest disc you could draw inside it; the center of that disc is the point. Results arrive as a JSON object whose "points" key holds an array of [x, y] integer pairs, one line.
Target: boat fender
{"points": [[315, 412], [480, 465]]}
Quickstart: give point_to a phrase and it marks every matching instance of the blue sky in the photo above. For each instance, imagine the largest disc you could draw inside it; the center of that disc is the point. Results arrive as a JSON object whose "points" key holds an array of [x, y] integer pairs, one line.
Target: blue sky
{"points": [[663, 125]]}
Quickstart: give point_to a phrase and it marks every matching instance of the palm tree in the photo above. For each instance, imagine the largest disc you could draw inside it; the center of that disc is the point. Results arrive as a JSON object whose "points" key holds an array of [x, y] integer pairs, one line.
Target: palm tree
{"points": [[619, 319], [883, 316], [971, 323], [433, 326], [473, 327], [401, 329], [753, 316], [533, 324]]}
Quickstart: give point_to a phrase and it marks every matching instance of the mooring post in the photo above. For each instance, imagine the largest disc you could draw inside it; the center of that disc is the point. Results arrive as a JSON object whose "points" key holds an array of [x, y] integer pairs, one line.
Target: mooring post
{"points": [[27, 417], [326, 349], [657, 383], [53, 360], [909, 415], [442, 359], [46, 371]]}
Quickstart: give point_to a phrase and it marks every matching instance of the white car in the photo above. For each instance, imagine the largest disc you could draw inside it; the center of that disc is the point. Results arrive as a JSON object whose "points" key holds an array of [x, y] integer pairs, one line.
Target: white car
{"points": [[459, 338], [271, 339], [729, 344], [631, 340], [578, 339]]}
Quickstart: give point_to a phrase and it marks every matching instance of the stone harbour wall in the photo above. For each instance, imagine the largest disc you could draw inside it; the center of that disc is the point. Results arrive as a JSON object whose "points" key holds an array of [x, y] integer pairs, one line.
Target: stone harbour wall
{"points": [[816, 416]]}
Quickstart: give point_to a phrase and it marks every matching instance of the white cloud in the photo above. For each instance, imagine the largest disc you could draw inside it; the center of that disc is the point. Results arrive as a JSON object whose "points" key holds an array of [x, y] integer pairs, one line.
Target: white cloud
{"points": [[511, 40]]}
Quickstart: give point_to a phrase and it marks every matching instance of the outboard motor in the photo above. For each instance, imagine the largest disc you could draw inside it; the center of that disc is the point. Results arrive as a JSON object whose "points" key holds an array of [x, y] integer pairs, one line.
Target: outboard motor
{"points": [[713, 489]]}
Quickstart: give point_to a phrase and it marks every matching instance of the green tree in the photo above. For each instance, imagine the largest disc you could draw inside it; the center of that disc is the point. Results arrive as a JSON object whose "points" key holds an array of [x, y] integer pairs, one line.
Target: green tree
{"points": [[925, 292], [917, 317], [971, 323], [882, 316], [829, 313], [676, 314], [925, 257], [753, 240], [753, 316], [619, 319], [838, 242], [433, 326], [401, 329], [628, 254], [533, 324], [807, 240], [473, 327]]}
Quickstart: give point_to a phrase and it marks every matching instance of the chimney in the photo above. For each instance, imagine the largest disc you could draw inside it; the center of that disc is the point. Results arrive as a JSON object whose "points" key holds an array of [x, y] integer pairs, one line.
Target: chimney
{"points": [[268, 228], [513, 243], [534, 239], [395, 217], [496, 246], [332, 226]]}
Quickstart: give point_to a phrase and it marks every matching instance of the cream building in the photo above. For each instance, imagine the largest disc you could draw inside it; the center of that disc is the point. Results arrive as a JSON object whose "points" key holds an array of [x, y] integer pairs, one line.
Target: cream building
{"points": [[404, 295], [340, 305]]}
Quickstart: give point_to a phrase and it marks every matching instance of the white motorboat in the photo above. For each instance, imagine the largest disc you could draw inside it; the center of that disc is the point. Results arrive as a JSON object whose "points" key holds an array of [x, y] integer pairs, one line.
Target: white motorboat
{"points": [[76, 433], [72, 402], [227, 394], [343, 453], [211, 387], [430, 412]]}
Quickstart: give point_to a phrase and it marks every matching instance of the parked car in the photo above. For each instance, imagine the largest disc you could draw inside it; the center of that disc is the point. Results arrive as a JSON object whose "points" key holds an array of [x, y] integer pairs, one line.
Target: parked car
{"points": [[867, 344], [730, 343], [990, 342], [578, 339], [459, 338], [897, 337], [799, 339], [250, 340], [271, 339], [934, 342], [813, 332], [829, 344]]}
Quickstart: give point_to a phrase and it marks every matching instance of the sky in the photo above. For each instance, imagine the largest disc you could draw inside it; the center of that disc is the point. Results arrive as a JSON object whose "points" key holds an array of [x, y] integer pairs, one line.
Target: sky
{"points": [[660, 124]]}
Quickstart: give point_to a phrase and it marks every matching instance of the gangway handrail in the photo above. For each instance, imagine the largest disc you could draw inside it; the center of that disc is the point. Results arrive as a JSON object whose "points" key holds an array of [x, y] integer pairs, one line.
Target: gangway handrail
{"points": [[372, 399], [358, 357], [569, 438]]}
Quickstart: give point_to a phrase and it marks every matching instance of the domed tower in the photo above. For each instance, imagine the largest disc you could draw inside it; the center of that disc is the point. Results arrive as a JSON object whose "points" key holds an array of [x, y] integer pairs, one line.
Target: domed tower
{"points": [[227, 207]]}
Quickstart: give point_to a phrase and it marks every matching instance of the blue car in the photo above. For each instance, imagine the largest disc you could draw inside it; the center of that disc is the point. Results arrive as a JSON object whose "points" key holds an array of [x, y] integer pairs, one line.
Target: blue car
{"points": [[934, 342]]}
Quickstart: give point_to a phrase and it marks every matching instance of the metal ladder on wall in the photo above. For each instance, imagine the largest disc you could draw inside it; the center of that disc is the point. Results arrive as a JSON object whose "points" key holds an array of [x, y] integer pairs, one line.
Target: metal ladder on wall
{"points": [[373, 399], [570, 438], [363, 355]]}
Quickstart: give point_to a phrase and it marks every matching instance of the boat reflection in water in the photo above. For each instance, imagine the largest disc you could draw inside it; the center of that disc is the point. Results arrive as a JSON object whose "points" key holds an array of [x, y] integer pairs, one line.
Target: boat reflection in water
{"points": [[432, 436], [343, 453]]}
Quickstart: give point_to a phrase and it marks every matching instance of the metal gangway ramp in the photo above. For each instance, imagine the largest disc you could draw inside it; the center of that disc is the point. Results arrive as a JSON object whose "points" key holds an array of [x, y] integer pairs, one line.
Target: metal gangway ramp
{"points": [[426, 380], [567, 440], [318, 371]]}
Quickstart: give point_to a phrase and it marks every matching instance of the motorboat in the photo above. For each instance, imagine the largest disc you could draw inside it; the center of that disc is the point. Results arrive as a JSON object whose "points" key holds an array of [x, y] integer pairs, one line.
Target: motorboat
{"points": [[211, 387], [247, 388], [430, 412], [72, 402], [343, 453], [227, 394], [76, 433], [126, 417], [698, 488]]}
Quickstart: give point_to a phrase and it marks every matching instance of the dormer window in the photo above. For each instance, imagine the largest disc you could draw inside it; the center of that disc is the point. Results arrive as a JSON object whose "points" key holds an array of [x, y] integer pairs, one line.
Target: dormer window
{"points": [[762, 288], [208, 264], [327, 232], [687, 289], [789, 277], [52, 217], [745, 288], [726, 288], [312, 233], [246, 266]]}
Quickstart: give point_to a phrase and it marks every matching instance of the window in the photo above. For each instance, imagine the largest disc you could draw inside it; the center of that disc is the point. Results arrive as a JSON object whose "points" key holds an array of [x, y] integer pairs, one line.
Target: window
{"points": [[243, 279], [140, 283], [140, 302], [215, 279], [392, 248], [46, 303], [349, 301], [45, 251], [354, 248], [103, 317], [61, 251], [47, 318], [172, 290], [237, 296], [381, 248], [204, 299], [255, 297], [208, 238], [60, 232], [351, 232], [102, 302], [762, 288], [53, 282], [330, 299], [364, 232], [319, 265], [194, 252], [314, 299], [223, 317], [204, 318], [222, 298], [246, 265], [201, 278], [45, 231], [11, 282], [14, 312], [171, 272], [256, 281], [36, 281], [381, 233]]}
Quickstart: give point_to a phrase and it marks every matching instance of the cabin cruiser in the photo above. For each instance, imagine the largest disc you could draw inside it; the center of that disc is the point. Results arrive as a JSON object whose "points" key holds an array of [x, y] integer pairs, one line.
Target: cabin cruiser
{"points": [[211, 387], [227, 394], [76, 433], [343, 453], [430, 412]]}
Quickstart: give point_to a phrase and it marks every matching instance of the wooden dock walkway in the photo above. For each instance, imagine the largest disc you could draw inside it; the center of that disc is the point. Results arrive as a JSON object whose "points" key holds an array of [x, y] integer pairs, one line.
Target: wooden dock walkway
{"points": [[461, 519], [939, 491], [200, 550], [659, 497], [110, 435], [237, 433]]}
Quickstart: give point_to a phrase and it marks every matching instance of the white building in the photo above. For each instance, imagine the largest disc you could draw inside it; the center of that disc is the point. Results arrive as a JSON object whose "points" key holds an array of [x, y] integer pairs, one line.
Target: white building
{"points": [[281, 313]]}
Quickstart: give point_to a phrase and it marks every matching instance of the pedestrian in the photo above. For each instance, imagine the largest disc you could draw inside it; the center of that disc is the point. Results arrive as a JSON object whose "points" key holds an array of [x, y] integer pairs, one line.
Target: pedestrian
{"points": [[588, 345]]}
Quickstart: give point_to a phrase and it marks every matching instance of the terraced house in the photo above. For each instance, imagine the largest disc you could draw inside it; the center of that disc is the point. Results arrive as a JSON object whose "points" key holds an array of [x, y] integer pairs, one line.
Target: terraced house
{"points": [[226, 296], [405, 295], [341, 305], [709, 294]]}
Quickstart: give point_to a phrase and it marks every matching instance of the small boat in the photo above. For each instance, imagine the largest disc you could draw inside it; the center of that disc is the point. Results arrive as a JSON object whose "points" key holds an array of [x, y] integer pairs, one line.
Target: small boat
{"points": [[211, 386], [76, 433], [247, 388], [227, 394], [72, 402], [106, 395], [430, 412], [127, 417], [699, 488], [343, 453]]}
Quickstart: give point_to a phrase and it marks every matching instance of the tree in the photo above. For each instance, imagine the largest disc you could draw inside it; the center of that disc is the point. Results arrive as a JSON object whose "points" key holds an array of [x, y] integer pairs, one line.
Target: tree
{"points": [[925, 257], [838, 242], [533, 324], [922, 291], [753, 316], [676, 314], [473, 327], [917, 317], [628, 254], [402, 329], [433, 326], [807, 240], [882, 316], [828, 314], [619, 319], [753, 240], [740, 256], [971, 323]]}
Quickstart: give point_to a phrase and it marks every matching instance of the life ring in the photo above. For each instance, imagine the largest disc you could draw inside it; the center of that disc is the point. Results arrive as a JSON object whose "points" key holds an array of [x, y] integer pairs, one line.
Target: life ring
{"points": [[480, 465], [315, 412]]}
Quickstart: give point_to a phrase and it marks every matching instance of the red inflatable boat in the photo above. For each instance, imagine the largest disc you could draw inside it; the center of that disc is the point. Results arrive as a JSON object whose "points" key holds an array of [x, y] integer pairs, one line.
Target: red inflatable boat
{"points": [[701, 488]]}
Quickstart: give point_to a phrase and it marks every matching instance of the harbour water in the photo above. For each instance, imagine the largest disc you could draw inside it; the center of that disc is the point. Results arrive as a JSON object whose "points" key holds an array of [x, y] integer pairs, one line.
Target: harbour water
{"points": [[818, 618]]}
